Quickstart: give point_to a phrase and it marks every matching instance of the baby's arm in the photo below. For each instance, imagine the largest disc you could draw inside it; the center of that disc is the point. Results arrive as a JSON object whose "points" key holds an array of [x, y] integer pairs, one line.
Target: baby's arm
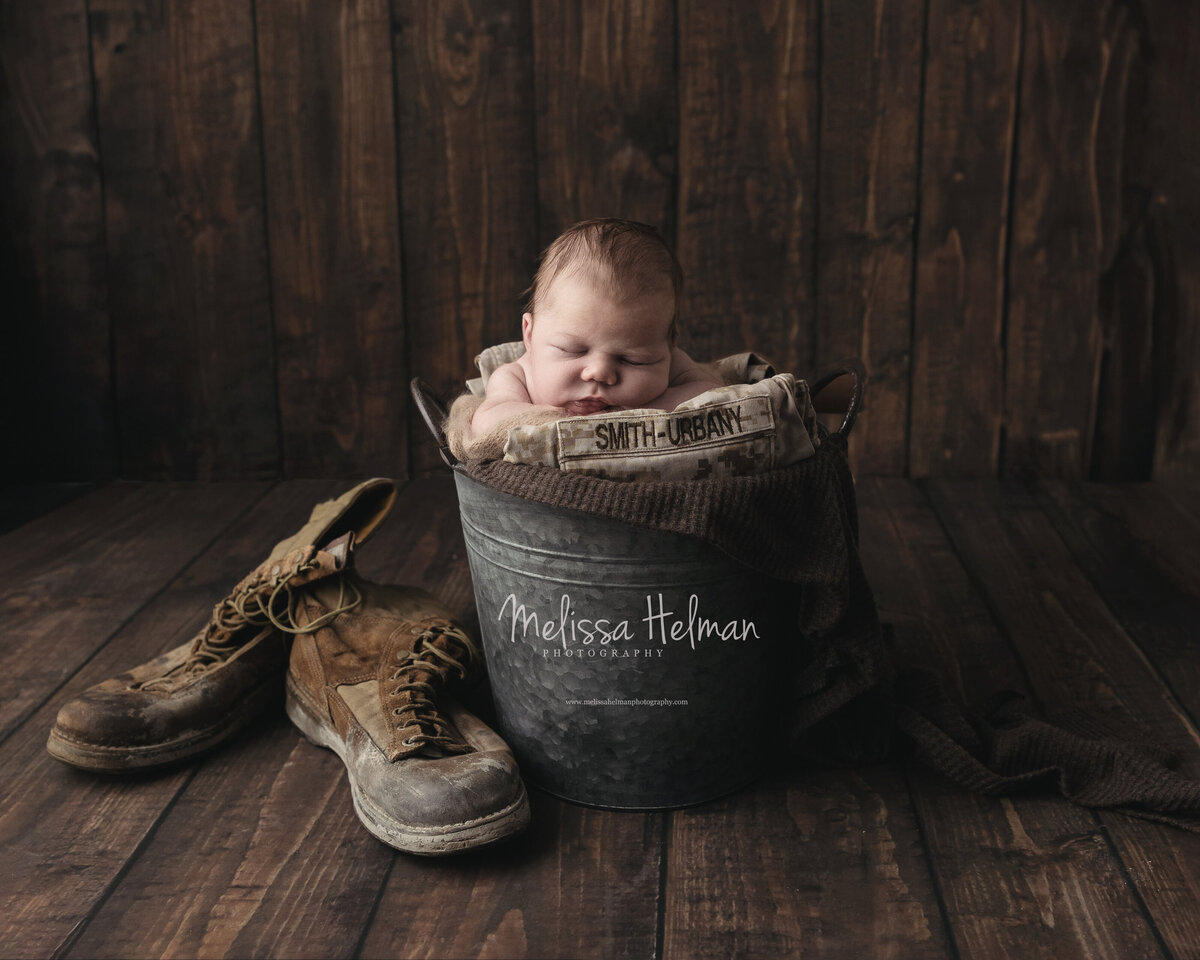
{"points": [[688, 379], [507, 396]]}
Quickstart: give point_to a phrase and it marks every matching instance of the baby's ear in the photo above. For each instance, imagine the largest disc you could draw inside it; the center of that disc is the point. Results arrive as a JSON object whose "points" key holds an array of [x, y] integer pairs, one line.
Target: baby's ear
{"points": [[527, 328]]}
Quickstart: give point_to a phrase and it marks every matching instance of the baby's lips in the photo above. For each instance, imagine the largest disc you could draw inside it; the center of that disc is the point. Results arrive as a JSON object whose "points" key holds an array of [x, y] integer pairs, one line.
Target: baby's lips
{"points": [[584, 407]]}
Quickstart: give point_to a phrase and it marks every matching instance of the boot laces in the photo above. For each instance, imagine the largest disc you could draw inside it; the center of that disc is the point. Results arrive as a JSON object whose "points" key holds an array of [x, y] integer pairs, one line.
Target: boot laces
{"points": [[441, 653], [268, 597]]}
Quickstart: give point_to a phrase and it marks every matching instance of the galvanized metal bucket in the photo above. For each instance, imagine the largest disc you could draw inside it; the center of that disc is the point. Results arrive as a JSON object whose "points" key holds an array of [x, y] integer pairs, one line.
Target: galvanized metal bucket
{"points": [[630, 668]]}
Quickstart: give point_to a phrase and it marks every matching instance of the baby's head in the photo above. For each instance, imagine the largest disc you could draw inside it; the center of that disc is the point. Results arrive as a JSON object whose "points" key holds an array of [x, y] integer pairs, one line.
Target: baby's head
{"points": [[622, 259], [600, 323]]}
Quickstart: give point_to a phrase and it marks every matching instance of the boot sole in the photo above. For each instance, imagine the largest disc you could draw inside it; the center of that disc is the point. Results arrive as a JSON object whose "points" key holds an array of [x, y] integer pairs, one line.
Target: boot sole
{"points": [[102, 758], [422, 841]]}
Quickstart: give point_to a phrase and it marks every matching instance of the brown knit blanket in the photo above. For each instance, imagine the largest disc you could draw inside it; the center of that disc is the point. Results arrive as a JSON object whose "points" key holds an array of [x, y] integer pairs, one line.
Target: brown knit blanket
{"points": [[848, 702]]}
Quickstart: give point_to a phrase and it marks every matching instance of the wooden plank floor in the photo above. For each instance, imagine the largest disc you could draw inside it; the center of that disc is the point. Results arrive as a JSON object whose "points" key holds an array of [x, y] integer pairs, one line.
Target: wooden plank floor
{"points": [[1083, 597]]}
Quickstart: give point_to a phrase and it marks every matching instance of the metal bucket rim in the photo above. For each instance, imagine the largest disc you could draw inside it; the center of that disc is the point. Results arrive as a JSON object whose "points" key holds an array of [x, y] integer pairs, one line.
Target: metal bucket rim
{"points": [[658, 584], [564, 554]]}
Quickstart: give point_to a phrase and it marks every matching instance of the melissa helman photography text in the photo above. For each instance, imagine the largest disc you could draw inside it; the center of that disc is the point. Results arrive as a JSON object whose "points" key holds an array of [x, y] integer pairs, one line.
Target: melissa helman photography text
{"points": [[572, 635]]}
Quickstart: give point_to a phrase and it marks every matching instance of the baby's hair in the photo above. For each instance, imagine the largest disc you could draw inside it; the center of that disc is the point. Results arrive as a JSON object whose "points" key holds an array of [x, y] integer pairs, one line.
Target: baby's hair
{"points": [[624, 256]]}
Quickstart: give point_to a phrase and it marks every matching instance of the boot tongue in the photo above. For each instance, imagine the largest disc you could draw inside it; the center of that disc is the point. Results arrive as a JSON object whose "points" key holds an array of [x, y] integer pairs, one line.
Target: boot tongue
{"points": [[311, 564], [359, 510], [340, 549]]}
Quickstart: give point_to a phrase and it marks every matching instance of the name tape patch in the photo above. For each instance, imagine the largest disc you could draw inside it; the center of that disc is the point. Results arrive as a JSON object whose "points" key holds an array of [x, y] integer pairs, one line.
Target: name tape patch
{"points": [[650, 434]]}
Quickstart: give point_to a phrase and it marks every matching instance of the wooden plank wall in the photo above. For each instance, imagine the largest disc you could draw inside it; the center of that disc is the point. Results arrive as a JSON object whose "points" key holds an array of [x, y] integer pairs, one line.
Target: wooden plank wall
{"points": [[232, 230]]}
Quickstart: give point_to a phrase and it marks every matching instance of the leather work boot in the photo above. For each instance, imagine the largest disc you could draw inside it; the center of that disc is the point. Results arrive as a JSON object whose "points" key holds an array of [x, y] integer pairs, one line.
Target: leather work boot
{"points": [[202, 692], [427, 777]]}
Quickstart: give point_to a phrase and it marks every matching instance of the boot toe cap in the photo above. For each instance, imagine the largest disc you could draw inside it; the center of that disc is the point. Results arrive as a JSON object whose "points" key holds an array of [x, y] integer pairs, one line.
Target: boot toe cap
{"points": [[443, 793], [109, 718]]}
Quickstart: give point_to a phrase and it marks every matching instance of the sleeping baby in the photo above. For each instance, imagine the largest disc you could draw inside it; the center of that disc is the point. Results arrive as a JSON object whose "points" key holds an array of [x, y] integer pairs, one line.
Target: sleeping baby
{"points": [[600, 330]]}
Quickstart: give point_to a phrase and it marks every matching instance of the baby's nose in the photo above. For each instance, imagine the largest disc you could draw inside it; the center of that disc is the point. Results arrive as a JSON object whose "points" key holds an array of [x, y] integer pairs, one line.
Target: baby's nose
{"points": [[600, 370]]}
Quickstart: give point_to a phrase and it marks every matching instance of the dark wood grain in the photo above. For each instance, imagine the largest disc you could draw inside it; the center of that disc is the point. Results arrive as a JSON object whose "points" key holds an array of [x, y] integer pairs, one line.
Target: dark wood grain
{"points": [[1122, 443], [69, 834], [1022, 876], [578, 883], [246, 856], [1143, 556], [747, 179], [205, 210], [1173, 178], [422, 545], [1185, 494], [189, 297], [1027, 877], [1075, 71], [464, 79], [255, 850], [1122, 447], [85, 569], [1038, 591], [27, 501], [333, 219], [56, 371], [607, 117], [870, 120], [969, 121], [810, 862], [1080, 661]]}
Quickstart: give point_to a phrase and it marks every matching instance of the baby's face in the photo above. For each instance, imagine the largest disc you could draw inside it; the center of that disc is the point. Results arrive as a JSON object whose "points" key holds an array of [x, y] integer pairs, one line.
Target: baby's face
{"points": [[587, 352]]}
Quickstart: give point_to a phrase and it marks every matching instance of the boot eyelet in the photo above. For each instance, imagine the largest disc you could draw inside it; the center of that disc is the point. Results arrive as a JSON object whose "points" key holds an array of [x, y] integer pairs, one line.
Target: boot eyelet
{"points": [[409, 742], [396, 712]]}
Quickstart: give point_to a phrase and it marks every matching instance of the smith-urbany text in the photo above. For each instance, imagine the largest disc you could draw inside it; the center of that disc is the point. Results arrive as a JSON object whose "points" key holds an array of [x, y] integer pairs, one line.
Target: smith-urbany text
{"points": [[672, 431]]}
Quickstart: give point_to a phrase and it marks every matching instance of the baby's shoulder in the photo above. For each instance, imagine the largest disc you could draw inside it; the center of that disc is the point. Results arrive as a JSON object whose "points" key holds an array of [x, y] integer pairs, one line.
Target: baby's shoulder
{"points": [[508, 380], [686, 370]]}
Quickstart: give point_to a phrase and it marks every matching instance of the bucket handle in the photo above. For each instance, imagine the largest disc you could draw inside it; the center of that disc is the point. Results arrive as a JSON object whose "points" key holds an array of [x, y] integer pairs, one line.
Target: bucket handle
{"points": [[854, 367], [434, 415]]}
